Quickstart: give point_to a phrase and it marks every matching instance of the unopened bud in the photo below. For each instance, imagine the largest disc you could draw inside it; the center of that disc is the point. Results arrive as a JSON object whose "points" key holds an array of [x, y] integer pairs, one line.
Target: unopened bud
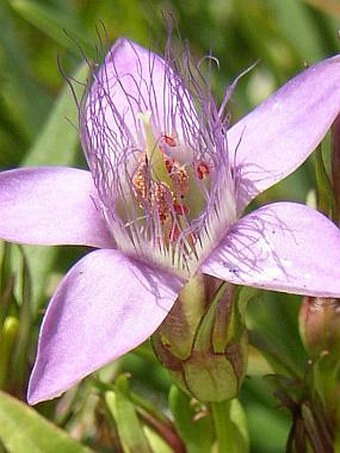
{"points": [[203, 340], [320, 326]]}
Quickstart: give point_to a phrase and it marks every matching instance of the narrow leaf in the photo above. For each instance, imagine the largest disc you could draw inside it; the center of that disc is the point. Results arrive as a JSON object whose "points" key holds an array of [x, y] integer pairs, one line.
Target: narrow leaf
{"points": [[326, 203], [23, 430], [51, 22], [279, 361], [131, 434]]}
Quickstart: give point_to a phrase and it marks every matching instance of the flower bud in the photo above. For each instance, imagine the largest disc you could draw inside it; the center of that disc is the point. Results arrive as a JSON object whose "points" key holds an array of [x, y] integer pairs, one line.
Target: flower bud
{"points": [[320, 326], [203, 340]]}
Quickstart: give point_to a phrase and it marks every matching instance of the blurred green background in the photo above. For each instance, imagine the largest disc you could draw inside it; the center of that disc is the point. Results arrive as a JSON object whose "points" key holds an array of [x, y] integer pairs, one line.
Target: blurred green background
{"points": [[38, 126]]}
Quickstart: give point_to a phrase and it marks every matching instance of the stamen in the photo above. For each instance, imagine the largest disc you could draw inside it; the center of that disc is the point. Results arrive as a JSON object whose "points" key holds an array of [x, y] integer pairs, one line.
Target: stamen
{"points": [[163, 175], [167, 197], [139, 180], [202, 170], [170, 141]]}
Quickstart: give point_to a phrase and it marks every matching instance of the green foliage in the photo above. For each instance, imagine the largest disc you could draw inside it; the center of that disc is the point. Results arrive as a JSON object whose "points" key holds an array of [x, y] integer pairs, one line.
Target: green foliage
{"points": [[192, 420], [129, 428], [22, 429]]}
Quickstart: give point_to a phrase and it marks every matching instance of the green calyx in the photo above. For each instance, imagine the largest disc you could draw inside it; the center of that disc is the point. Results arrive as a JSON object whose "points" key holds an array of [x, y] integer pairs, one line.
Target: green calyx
{"points": [[204, 344]]}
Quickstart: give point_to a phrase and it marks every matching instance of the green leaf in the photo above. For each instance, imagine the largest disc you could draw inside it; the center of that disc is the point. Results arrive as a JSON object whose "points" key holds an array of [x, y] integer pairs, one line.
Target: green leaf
{"points": [[53, 23], [23, 430], [58, 139], [267, 40], [131, 434], [6, 280], [326, 202], [193, 423], [56, 145], [8, 336], [24, 103], [239, 419], [157, 444], [278, 360], [20, 355], [293, 15]]}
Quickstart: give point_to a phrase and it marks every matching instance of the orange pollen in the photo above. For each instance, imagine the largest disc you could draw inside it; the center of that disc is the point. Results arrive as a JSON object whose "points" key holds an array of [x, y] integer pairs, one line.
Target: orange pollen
{"points": [[161, 197], [140, 180], [180, 179], [169, 163], [169, 140], [158, 196], [202, 170]]}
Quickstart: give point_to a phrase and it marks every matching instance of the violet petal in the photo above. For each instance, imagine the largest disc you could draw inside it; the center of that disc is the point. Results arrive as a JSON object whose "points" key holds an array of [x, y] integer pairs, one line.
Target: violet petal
{"points": [[105, 306], [275, 138], [283, 247], [131, 81], [49, 206]]}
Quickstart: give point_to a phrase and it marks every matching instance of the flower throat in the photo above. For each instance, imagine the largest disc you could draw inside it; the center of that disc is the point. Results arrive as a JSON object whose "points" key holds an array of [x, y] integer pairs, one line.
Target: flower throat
{"points": [[168, 193]]}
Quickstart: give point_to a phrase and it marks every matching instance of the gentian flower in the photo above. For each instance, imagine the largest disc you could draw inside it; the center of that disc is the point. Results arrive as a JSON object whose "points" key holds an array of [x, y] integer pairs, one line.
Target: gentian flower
{"points": [[162, 202]]}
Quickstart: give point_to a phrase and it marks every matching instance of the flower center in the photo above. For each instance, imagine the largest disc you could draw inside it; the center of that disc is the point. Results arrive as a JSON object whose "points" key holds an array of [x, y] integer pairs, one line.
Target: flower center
{"points": [[167, 194], [162, 186], [173, 203]]}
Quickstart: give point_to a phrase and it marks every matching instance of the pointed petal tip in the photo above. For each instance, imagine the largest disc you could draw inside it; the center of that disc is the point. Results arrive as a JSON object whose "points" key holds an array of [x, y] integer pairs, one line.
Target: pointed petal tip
{"points": [[278, 135], [88, 325], [38, 395]]}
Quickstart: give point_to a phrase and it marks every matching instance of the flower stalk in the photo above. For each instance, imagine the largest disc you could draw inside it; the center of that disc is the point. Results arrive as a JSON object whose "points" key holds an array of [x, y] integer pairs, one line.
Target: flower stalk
{"points": [[224, 428]]}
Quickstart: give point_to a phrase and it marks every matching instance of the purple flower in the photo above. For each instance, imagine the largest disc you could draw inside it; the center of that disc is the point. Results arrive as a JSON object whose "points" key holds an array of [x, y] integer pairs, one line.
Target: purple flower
{"points": [[162, 201]]}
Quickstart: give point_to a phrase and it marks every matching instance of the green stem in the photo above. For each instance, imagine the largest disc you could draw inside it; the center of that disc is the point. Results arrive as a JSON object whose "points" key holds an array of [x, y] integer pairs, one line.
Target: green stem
{"points": [[223, 427], [326, 373]]}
